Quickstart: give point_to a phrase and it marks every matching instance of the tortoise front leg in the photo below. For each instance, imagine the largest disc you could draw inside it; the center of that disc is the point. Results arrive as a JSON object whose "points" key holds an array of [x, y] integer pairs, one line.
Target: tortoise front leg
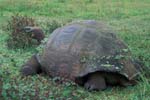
{"points": [[31, 67]]}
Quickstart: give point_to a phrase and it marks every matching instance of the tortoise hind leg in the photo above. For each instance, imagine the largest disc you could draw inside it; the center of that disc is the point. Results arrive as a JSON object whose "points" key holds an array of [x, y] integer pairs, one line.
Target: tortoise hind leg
{"points": [[31, 67], [95, 82], [125, 83]]}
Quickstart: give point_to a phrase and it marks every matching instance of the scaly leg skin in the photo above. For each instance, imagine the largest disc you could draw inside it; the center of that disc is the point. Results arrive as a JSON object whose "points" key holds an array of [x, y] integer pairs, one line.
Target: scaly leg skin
{"points": [[116, 79], [95, 82], [126, 83], [31, 67]]}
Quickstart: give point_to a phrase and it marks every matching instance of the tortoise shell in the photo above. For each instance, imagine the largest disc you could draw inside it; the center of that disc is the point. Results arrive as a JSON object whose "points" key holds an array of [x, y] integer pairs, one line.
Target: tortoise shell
{"points": [[80, 48]]}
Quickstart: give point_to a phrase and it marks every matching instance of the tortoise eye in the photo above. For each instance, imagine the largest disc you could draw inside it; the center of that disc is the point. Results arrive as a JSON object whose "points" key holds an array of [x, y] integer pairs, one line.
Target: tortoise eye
{"points": [[27, 29]]}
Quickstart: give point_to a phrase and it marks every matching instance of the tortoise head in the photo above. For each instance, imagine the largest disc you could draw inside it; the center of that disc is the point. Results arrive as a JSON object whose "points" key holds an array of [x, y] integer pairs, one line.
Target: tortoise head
{"points": [[36, 32]]}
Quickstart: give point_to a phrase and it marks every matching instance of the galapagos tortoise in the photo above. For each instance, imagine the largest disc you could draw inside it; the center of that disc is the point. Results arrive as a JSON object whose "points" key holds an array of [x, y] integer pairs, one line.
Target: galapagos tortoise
{"points": [[88, 53]]}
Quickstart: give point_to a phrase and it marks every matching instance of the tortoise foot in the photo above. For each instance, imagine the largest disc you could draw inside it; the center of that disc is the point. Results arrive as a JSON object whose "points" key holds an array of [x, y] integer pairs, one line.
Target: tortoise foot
{"points": [[27, 70], [31, 67]]}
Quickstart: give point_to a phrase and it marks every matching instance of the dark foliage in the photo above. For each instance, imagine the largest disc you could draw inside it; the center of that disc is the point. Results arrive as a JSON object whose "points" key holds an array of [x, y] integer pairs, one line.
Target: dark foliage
{"points": [[18, 38]]}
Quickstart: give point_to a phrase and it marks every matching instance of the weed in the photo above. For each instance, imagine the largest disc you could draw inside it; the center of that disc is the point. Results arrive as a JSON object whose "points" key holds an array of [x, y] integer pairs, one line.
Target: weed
{"points": [[18, 38]]}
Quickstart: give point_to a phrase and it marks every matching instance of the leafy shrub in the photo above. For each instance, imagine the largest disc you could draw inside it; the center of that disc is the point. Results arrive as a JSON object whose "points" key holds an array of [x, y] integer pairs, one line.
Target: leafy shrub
{"points": [[52, 25], [18, 38]]}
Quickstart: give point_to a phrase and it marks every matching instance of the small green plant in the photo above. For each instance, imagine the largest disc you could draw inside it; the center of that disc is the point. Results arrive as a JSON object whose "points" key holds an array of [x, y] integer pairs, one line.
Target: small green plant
{"points": [[52, 25], [18, 38], [61, 1], [1, 84], [89, 1], [49, 25]]}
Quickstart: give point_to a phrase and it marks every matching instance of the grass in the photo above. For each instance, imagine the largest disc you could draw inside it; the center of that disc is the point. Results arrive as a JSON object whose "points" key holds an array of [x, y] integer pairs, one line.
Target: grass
{"points": [[130, 18]]}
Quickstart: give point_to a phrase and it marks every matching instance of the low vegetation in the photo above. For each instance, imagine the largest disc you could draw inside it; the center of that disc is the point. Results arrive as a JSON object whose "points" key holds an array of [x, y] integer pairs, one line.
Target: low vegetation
{"points": [[18, 38]]}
